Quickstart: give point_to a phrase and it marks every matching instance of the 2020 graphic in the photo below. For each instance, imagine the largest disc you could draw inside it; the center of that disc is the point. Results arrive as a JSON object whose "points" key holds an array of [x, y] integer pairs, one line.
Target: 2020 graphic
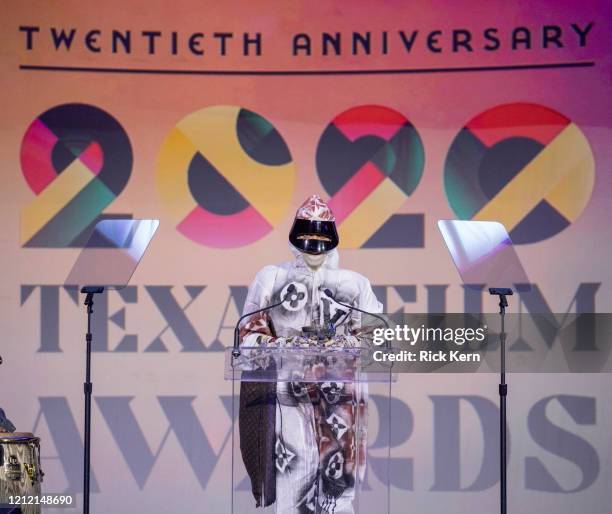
{"points": [[369, 160], [524, 165], [227, 175], [77, 159]]}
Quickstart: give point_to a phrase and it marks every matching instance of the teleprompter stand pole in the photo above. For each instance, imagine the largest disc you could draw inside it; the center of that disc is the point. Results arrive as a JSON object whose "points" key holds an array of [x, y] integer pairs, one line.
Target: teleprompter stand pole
{"points": [[89, 291], [502, 292]]}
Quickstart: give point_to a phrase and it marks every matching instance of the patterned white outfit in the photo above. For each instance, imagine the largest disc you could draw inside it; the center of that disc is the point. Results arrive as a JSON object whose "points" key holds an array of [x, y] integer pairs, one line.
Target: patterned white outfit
{"points": [[319, 456]]}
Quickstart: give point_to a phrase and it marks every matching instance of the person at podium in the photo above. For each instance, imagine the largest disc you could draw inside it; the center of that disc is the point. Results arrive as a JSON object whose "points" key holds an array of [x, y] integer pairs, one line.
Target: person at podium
{"points": [[302, 447]]}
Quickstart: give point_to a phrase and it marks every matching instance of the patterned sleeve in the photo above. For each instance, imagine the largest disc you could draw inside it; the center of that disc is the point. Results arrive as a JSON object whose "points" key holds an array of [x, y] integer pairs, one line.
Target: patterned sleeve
{"points": [[256, 330]]}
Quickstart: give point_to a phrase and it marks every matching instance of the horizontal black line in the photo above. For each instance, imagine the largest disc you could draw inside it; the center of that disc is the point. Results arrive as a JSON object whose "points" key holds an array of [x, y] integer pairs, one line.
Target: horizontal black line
{"points": [[405, 71]]}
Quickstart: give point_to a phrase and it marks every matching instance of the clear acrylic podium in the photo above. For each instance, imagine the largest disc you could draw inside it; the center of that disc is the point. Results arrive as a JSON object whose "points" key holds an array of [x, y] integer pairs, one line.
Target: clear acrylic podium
{"points": [[311, 384]]}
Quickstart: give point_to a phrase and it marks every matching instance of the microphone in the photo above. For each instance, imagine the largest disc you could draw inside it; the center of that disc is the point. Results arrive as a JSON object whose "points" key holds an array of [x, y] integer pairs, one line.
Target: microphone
{"points": [[378, 316], [236, 350]]}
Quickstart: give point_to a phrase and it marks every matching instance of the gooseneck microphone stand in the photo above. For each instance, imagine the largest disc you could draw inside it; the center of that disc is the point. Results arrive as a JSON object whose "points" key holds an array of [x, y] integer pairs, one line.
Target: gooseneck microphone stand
{"points": [[502, 292], [236, 349], [89, 291]]}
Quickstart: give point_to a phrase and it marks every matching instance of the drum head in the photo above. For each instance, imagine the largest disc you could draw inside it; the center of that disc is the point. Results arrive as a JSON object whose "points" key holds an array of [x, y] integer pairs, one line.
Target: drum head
{"points": [[17, 437]]}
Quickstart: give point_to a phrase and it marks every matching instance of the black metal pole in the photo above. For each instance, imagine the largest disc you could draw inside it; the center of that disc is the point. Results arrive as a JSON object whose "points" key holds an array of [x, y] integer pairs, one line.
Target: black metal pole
{"points": [[87, 390], [503, 393], [502, 292]]}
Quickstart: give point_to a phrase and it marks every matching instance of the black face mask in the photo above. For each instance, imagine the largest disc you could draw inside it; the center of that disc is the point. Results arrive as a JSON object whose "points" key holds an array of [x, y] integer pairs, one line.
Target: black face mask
{"points": [[313, 237]]}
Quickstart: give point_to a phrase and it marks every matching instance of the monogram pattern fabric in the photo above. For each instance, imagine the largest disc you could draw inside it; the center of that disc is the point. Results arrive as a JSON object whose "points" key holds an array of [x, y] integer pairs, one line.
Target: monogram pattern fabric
{"points": [[320, 428]]}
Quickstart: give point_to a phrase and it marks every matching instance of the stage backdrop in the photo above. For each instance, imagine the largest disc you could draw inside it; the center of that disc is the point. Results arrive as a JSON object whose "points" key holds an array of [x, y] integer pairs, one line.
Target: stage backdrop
{"points": [[219, 118]]}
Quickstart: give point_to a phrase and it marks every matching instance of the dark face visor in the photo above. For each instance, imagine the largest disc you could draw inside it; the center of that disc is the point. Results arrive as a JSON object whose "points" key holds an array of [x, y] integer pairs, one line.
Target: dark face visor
{"points": [[313, 237]]}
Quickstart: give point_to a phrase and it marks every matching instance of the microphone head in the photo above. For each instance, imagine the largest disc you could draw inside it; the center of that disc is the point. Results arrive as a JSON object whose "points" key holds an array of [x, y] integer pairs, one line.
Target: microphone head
{"points": [[328, 293]]}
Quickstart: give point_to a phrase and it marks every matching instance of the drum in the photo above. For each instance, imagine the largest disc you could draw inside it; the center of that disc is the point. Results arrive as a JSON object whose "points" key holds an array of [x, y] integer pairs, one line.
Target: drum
{"points": [[20, 473]]}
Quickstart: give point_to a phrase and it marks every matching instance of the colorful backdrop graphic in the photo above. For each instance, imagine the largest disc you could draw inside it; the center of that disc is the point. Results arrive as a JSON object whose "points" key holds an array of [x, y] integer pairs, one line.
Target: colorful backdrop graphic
{"points": [[400, 114], [77, 159], [369, 159], [522, 164], [227, 175]]}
